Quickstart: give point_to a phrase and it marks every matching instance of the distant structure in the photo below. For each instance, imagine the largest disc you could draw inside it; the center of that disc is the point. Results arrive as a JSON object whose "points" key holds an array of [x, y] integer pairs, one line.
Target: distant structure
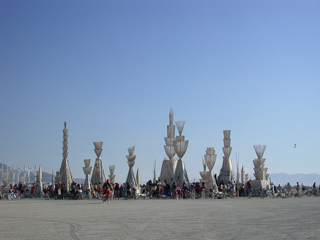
{"points": [[226, 172], [98, 174], [131, 160], [180, 147], [242, 176], [169, 165], [205, 177], [210, 160], [65, 175], [87, 171], [260, 172], [39, 183], [112, 176]]}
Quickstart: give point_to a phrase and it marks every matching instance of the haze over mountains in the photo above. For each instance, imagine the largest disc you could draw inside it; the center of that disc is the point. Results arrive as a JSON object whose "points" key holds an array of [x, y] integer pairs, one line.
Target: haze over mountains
{"points": [[276, 178]]}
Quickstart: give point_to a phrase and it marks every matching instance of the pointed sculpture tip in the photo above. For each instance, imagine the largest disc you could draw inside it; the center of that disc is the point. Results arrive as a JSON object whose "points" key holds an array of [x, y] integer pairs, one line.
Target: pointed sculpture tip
{"points": [[171, 111], [65, 125]]}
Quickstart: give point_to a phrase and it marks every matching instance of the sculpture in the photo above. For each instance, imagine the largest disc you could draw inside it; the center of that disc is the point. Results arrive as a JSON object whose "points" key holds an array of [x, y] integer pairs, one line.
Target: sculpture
{"points": [[210, 160], [260, 172], [87, 170], [226, 171], [65, 175], [131, 160], [112, 176], [205, 175], [169, 165], [180, 147], [39, 183], [98, 174]]}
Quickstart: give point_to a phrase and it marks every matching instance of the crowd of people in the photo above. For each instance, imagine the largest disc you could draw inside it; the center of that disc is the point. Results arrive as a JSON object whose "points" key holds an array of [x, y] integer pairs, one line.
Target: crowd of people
{"points": [[176, 190]]}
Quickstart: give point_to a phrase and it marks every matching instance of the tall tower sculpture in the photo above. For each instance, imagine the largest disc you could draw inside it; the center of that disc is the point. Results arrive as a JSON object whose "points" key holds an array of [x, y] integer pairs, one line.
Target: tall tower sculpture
{"points": [[98, 174], [260, 172], [87, 170], [131, 160], [226, 172], [242, 176], [65, 172], [205, 177], [169, 166], [112, 176], [39, 183], [180, 147], [210, 160]]}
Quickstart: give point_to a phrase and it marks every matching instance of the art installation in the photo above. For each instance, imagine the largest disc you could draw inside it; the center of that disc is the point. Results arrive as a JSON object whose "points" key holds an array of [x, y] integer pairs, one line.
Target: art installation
{"points": [[226, 172], [65, 175], [210, 160], [154, 171], [5, 177], [112, 176], [180, 147], [131, 160], [39, 183], [169, 166], [58, 177], [205, 177], [138, 182], [242, 176], [98, 174], [87, 170], [260, 172]]}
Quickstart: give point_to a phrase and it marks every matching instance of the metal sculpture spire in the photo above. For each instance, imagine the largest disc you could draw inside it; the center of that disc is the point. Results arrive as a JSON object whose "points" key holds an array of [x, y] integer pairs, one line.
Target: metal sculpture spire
{"points": [[180, 147], [131, 160], [260, 172], [65, 175], [98, 174], [87, 171], [226, 172], [169, 166]]}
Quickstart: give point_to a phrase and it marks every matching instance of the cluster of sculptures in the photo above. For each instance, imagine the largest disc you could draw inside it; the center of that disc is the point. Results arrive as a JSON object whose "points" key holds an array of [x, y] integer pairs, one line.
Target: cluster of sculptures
{"points": [[173, 169]]}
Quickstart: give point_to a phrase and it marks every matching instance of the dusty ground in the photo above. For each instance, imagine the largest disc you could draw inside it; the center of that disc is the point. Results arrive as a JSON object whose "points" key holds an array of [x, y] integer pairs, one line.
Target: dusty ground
{"points": [[294, 218]]}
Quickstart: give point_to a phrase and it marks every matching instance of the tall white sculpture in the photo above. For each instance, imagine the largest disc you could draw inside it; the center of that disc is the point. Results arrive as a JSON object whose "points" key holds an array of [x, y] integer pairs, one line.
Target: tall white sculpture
{"points": [[65, 172], [242, 176], [87, 170], [98, 174], [205, 177], [226, 171], [169, 165], [112, 176], [131, 160], [210, 160], [180, 147], [39, 183], [260, 172], [138, 180]]}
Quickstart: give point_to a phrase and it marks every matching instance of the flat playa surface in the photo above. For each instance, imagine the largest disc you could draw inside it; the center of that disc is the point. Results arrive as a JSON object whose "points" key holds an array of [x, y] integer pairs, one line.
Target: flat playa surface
{"points": [[234, 218]]}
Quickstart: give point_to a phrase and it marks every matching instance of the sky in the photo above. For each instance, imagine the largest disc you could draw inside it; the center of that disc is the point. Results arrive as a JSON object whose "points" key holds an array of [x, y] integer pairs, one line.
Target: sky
{"points": [[113, 69]]}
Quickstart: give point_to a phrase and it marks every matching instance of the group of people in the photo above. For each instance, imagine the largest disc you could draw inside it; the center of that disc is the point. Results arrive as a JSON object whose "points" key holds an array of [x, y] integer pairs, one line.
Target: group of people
{"points": [[127, 190]]}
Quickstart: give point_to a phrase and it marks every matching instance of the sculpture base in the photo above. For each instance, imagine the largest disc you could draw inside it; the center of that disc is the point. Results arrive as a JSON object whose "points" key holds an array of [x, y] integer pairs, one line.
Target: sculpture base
{"points": [[260, 184]]}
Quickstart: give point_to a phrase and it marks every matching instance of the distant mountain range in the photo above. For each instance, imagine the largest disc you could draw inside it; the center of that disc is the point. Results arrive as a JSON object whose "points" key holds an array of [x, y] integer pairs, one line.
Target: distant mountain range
{"points": [[276, 178]]}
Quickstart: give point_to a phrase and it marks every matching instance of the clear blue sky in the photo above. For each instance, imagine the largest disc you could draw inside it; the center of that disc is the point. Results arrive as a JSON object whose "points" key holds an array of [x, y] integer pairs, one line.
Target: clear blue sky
{"points": [[113, 69]]}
